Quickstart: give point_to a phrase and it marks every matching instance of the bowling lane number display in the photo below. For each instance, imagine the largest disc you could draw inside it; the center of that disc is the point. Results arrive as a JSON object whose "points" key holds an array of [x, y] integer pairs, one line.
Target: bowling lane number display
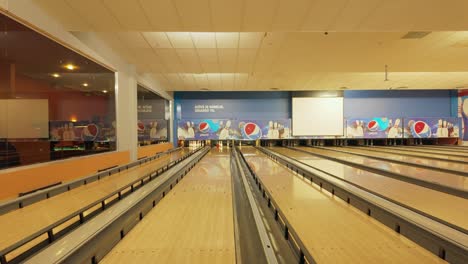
{"points": [[317, 116]]}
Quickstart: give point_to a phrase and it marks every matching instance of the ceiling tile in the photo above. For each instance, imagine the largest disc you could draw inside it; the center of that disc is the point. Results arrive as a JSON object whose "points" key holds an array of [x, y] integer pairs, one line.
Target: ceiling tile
{"points": [[162, 14], [129, 14], [180, 40], [97, 14]]}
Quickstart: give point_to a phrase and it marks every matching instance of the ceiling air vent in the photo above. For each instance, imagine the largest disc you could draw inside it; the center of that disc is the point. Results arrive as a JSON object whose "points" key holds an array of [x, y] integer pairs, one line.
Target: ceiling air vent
{"points": [[204, 89], [416, 34]]}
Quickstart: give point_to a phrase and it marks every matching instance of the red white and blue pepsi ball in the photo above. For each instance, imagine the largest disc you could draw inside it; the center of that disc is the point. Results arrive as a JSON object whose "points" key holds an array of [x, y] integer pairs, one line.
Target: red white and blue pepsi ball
{"points": [[373, 125], [421, 129], [141, 126], [204, 127], [90, 132], [251, 131]]}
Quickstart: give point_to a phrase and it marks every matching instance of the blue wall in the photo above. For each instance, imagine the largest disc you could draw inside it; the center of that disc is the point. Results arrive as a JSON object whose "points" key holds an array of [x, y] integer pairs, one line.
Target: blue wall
{"points": [[277, 105], [424, 103], [241, 105]]}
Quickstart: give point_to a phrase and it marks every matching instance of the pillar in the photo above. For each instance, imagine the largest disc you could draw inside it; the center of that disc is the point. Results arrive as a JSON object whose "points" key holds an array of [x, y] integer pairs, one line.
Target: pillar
{"points": [[126, 111]]}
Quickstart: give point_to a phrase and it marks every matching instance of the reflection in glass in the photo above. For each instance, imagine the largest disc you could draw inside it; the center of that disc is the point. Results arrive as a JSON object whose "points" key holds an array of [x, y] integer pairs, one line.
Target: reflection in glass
{"points": [[153, 117], [52, 104]]}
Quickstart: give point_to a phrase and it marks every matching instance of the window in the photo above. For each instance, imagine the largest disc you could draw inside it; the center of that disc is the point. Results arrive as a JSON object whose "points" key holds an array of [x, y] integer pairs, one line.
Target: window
{"points": [[153, 117], [54, 102]]}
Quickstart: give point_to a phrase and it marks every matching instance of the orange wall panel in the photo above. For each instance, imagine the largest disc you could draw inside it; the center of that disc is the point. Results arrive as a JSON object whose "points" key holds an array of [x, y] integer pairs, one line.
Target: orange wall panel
{"points": [[151, 150], [27, 179]]}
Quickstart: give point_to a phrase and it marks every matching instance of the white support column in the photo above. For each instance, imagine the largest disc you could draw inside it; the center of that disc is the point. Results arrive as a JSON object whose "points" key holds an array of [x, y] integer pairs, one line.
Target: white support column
{"points": [[126, 112], [171, 123]]}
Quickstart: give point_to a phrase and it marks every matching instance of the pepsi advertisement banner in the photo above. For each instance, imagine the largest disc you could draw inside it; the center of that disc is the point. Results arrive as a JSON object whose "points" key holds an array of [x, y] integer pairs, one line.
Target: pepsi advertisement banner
{"points": [[432, 127], [80, 131], [201, 129], [376, 127], [152, 129], [463, 112]]}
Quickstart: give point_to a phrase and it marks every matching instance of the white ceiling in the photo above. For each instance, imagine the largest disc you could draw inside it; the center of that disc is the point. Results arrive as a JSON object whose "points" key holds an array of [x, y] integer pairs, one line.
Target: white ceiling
{"points": [[263, 44]]}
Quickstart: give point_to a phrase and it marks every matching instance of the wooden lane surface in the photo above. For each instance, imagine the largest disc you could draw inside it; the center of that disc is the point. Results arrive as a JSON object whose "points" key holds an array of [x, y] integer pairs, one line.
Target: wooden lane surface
{"points": [[425, 150], [459, 167], [20, 223], [192, 224], [449, 208], [456, 148], [332, 230], [443, 178], [405, 151]]}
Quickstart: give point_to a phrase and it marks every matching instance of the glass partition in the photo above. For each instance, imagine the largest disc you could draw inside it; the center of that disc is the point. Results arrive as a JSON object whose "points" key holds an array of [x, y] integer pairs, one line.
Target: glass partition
{"points": [[54, 102], [153, 117]]}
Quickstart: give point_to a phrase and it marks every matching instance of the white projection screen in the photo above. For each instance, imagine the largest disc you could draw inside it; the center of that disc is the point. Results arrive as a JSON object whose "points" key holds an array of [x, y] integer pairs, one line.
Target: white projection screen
{"points": [[24, 118], [317, 116]]}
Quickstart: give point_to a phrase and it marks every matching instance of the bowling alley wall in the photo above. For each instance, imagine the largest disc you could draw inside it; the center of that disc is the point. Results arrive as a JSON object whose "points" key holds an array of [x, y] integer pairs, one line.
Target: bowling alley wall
{"points": [[203, 115]]}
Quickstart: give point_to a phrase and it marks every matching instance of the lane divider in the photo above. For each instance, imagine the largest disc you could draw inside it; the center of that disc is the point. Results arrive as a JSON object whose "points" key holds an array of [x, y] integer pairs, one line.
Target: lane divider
{"points": [[289, 233]]}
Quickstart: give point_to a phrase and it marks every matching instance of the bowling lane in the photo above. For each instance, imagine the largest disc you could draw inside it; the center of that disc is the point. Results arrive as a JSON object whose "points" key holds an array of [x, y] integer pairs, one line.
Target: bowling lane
{"points": [[443, 178], [443, 206], [452, 166], [192, 224], [409, 152], [19, 224], [424, 150], [332, 230], [449, 148]]}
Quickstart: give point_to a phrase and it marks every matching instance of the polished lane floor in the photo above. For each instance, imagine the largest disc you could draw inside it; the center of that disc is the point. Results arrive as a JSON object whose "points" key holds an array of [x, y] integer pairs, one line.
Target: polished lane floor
{"points": [[445, 207], [457, 167], [332, 230], [450, 152], [192, 224], [409, 152], [450, 180], [21, 223]]}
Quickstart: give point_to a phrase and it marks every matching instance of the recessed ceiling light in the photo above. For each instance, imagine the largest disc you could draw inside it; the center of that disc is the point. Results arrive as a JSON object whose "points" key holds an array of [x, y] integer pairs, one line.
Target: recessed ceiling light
{"points": [[85, 84], [55, 75], [104, 91], [70, 67]]}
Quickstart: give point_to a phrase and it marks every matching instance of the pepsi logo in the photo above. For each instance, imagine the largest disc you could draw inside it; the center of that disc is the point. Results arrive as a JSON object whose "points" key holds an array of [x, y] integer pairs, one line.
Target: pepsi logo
{"points": [[252, 131], [141, 126], [90, 132], [373, 125], [204, 127], [93, 130], [421, 129]]}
